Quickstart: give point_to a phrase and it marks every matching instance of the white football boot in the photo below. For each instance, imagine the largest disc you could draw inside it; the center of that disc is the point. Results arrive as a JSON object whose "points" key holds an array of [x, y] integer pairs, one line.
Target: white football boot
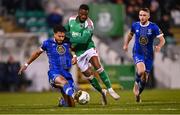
{"points": [[113, 94]]}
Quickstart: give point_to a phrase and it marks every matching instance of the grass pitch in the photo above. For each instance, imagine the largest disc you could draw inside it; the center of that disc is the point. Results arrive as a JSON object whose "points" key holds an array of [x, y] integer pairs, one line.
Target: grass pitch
{"points": [[153, 102]]}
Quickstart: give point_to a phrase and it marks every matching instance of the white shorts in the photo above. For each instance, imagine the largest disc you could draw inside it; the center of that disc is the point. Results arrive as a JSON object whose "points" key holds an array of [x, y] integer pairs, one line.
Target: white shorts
{"points": [[83, 59]]}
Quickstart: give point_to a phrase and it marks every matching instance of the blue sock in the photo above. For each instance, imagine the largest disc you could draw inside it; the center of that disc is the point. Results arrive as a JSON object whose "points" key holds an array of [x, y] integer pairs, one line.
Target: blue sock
{"points": [[63, 103], [68, 90]]}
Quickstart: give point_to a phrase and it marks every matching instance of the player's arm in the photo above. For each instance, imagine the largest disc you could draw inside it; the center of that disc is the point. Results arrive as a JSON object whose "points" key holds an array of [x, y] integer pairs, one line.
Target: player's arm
{"points": [[159, 35], [161, 43], [33, 56], [129, 37], [74, 57]]}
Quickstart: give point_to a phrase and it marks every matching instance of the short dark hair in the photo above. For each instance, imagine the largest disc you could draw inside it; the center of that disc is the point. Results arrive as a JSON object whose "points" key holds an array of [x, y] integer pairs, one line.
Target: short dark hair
{"points": [[145, 9], [84, 7], [58, 28]]}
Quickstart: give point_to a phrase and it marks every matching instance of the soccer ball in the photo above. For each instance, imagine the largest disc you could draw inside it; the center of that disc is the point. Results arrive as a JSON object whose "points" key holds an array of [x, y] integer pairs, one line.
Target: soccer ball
{"points": [[84, 98]]}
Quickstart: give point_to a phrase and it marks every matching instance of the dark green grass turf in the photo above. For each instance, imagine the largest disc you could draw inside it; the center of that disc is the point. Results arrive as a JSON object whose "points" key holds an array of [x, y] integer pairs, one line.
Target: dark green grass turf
{"points": [[153, 101]]}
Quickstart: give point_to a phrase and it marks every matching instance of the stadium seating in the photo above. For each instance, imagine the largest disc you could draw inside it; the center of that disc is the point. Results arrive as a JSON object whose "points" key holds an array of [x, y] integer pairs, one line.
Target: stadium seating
{"points": [[33, 21]]}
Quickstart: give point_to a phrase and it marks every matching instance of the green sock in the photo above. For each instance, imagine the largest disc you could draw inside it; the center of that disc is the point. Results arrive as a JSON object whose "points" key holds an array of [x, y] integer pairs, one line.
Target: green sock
{"points": [[94, 82], [105, 78]]}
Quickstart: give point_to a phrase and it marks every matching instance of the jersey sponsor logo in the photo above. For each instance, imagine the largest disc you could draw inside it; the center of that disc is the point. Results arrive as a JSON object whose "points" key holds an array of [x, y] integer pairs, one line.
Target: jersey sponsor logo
{"points": [[61, 49], [76, 34], [143, 40]]}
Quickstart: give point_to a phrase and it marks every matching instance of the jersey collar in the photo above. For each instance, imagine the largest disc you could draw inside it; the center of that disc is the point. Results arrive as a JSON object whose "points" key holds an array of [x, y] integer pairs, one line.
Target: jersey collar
{"points": [[145, 24], [77, 19]]}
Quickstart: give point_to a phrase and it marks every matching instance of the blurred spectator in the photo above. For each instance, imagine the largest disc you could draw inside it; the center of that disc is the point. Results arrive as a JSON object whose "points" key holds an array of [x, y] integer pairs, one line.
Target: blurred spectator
{"points": [[11, 5], [12, 78], [12, 81], [164, 24], [55, 17], [155, 12], [2, 75], [175, 14], [117, 1], [131, 11], [33, 5]]}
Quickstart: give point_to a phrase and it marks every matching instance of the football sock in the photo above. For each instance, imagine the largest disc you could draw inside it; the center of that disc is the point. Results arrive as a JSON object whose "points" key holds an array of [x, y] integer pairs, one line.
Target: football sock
{"points": [[141, 86], [63, 103], [94, 82], [68, 90], [105, 78], [138, 78]]}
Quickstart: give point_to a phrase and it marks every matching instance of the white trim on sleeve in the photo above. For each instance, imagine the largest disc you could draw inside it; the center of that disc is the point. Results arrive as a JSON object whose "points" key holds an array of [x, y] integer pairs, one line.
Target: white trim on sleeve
{"points": [[41, 49], [158, 36]]}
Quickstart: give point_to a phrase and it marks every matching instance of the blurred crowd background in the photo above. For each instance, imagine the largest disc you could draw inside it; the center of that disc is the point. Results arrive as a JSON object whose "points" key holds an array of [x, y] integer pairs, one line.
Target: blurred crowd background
{"points": [[24, 24]]}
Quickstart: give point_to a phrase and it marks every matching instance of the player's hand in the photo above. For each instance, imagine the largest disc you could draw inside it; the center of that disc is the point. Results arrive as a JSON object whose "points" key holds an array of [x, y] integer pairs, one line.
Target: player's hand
{"points": [[74, 60], [23, 68], [125, 48], [157, 48]]}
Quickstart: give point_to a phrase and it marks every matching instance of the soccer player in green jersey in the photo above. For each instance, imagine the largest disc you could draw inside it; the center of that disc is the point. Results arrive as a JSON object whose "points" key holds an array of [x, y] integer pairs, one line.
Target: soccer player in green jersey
{"points": [[80, 29]]}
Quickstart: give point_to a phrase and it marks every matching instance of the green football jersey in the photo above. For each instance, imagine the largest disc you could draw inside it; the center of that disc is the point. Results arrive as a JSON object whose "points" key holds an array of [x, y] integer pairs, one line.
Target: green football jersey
{"points": [[80, 34]]}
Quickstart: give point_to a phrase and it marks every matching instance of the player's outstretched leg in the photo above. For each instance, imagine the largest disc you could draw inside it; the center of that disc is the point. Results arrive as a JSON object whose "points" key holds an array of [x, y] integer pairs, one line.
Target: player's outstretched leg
{"points": [[71, 92], [94, 82], [76, 95], [105, 78], [144, 79], [62, 103], [136, 85], [104, 99], [139, 85], [136, 88], [136, 92]]}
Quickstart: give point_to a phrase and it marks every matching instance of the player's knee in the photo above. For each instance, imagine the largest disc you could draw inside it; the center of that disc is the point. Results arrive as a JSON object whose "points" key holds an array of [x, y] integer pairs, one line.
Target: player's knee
{"points": [[90, 77], [60, 81], [64, 82], [141, 72], [101, 69]]}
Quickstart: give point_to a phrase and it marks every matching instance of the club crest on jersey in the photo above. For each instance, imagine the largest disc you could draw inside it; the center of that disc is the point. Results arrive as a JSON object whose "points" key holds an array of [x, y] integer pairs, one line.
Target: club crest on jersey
{"points": [[143, 40], [61, 49]]}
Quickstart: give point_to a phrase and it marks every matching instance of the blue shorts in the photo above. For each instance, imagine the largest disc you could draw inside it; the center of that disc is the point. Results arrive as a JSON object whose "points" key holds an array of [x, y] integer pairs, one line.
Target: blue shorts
{"points": [[65, 73], [147, 61]]}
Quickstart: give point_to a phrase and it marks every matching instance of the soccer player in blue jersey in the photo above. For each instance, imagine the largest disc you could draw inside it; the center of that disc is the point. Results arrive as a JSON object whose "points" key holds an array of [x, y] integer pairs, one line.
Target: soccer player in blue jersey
{"points": [[59, 55], [145, 33]]}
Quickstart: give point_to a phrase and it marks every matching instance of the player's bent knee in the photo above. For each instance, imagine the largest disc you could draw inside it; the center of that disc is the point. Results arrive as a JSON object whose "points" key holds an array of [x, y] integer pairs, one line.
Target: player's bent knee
{"points": [[60, 82], [141, 72], [101, 69], [90, 77], [63, 82]]}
